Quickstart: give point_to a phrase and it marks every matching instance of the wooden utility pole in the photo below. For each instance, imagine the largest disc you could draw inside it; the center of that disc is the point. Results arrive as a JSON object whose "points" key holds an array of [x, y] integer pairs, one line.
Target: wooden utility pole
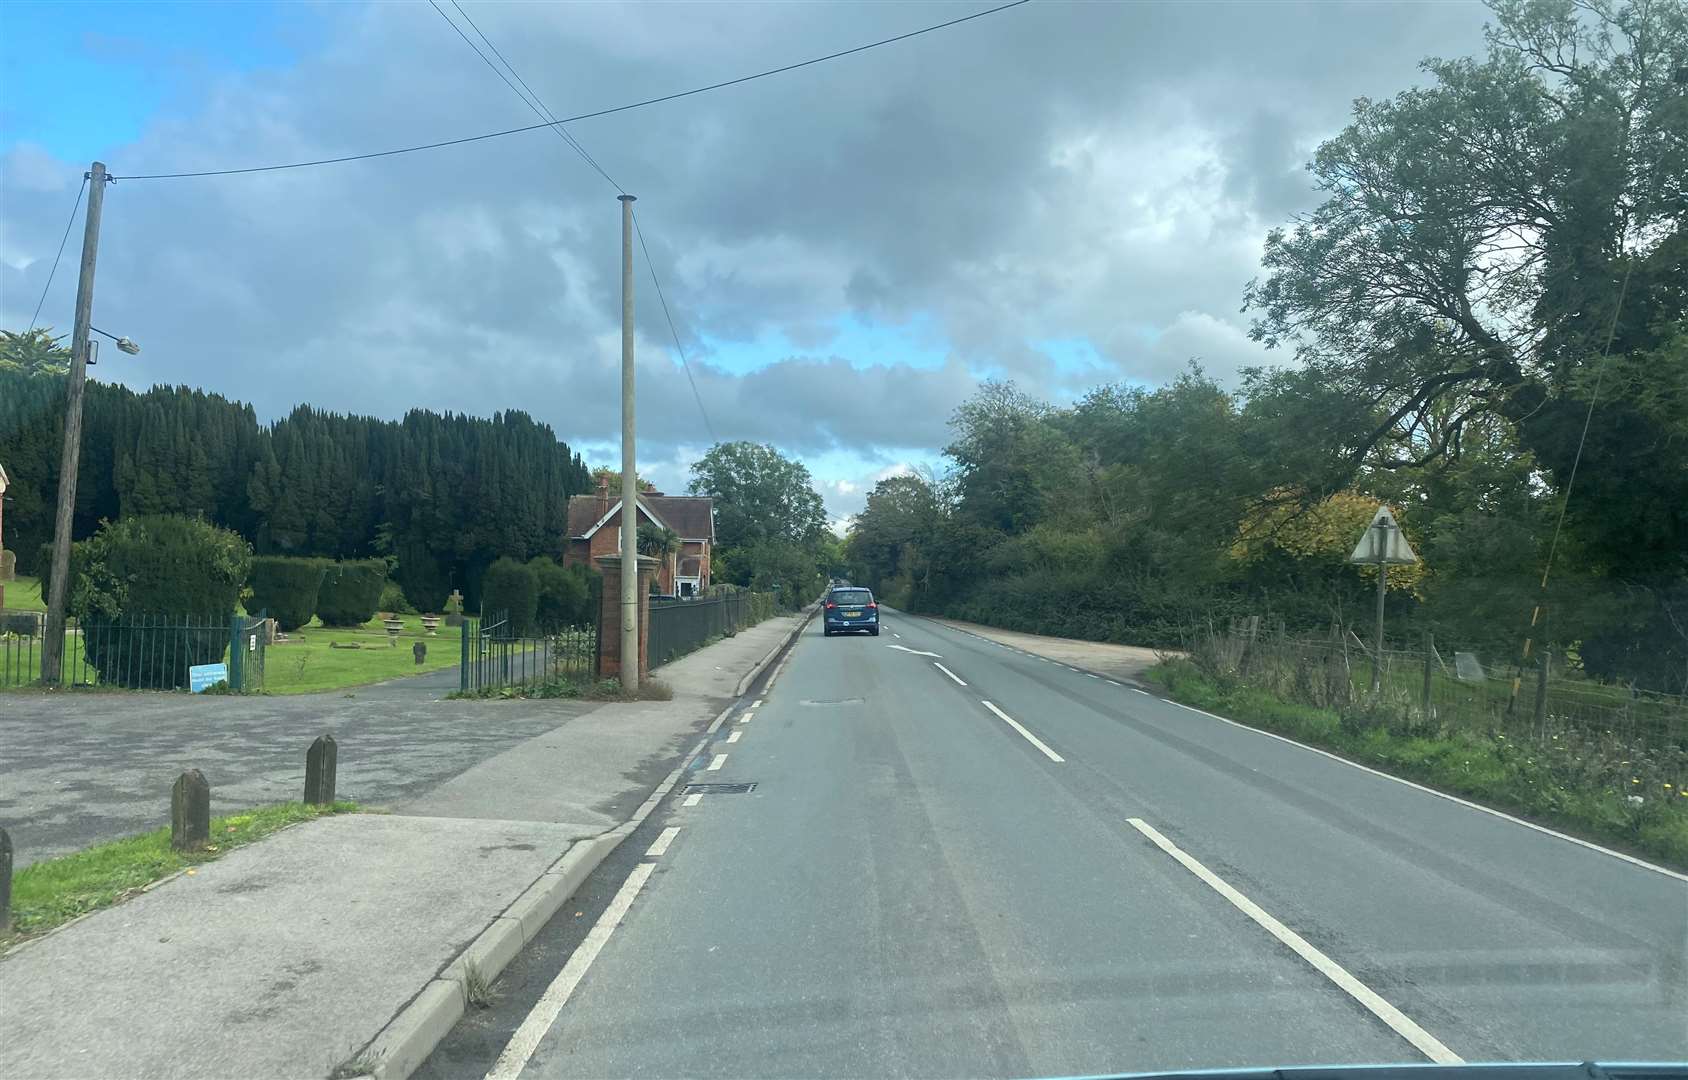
{"points": [[629, 467], [52, 647]]}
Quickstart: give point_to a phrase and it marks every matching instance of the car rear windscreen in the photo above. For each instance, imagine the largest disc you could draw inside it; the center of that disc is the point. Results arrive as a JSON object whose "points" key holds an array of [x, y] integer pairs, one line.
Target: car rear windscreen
{"points": [[852, 597]]}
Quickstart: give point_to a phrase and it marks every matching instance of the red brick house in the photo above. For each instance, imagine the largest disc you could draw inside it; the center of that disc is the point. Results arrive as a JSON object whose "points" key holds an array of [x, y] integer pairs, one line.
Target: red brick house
{"points": [[594, 528]]}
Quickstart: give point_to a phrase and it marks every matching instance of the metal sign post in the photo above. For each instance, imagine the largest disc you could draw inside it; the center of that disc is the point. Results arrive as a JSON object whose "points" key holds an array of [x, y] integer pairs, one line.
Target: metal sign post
{"points": [[1382, 544]]}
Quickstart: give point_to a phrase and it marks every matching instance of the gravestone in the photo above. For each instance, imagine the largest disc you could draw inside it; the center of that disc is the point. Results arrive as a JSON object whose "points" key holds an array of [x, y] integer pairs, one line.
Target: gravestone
{"points": [[190, 811], [420, 651], [5, 881], [322, 763], [454, 609], [1467, 668], [8, 565]]}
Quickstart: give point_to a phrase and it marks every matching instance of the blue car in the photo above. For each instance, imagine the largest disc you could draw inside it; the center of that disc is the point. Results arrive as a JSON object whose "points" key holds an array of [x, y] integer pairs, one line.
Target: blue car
{"points": [[849, 610]]}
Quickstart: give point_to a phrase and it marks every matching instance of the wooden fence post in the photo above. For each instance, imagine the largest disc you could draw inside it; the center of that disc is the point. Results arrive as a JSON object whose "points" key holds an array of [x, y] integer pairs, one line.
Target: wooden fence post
{"points": [[190, 811], [1429, 659], [5, 881], [1541, 689], [322, 765]]}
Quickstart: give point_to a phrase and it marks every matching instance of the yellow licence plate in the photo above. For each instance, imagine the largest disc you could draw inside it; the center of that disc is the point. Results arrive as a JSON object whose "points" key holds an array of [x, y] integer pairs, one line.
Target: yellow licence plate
{"points": [[853, 614]]}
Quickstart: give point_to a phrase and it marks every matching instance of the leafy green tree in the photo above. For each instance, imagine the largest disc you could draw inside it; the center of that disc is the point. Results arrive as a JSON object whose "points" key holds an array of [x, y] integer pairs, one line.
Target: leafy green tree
{"points": [[285, 588], [761, 496], [510, 591]]}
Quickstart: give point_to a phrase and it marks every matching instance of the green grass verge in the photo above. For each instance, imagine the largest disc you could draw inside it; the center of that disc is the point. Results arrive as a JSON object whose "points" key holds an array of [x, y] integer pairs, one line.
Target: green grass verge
{"points": [[1486, 769], [54, 891]]}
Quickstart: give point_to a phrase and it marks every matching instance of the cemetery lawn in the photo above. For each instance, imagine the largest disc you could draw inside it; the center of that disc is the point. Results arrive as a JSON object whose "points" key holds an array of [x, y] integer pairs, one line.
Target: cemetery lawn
{"points": [[54, 891], [24, 594], [306, 662]]}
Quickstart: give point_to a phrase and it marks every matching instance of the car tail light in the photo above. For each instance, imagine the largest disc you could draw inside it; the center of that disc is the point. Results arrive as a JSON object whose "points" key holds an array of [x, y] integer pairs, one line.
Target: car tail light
{"points": [[830, 605], [873, 607]]}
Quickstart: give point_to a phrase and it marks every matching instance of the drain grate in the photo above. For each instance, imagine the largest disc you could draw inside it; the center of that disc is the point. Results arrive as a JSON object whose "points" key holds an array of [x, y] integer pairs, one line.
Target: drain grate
{"points": [[719, 789]]}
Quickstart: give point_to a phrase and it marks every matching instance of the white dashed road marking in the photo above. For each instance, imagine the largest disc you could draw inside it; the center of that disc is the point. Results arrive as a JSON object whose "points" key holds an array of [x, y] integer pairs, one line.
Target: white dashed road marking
{"points": [[661, 846], [948, 672], [720, 760], [1033, 739], [1398, 1021], [527, 1037], [734, 737], [693, 799]]}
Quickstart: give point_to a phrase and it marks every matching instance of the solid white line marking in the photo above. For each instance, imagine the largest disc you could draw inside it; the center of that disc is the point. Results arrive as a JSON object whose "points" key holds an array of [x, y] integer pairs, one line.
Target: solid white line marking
{"points": [[661, 846], [1398, 1021], [527, 1037], [1631, 859], [734, 737], [948, 672], [720, 760], [1033, 739], [693, 799]]}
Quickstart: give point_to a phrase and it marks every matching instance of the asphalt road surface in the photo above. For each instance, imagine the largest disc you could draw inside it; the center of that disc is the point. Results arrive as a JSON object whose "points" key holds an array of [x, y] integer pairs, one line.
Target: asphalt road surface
{"points": [[1002, 866]]}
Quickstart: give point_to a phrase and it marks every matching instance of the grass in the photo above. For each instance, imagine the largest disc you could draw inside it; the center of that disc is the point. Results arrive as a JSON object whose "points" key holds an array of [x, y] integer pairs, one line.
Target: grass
{"points": [[306, 662], [54, 891], [24, 594], [587, 689], [1574, 790]]}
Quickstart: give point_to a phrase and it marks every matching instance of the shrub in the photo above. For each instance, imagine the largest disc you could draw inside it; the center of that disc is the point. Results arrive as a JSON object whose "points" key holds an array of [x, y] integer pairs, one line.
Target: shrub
{"points": [[511, 589], [285, 588], [393, 599], [351, 592], [562, 592], [159, 565]]}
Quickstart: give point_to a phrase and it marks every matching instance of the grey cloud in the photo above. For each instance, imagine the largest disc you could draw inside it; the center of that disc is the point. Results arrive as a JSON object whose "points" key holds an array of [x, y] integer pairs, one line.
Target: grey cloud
{"points": [[1058, 171]]}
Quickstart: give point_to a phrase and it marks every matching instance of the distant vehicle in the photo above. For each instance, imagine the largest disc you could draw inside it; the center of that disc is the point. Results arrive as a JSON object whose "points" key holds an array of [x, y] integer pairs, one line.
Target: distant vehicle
{"points": [[848, 610], [664, 596]]}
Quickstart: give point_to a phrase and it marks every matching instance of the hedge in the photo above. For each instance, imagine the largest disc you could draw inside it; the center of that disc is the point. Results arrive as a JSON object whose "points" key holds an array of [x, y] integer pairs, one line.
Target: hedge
{"points": [[351, 592], [285, 588], [150, 566], [564, 595], [510, 589]]}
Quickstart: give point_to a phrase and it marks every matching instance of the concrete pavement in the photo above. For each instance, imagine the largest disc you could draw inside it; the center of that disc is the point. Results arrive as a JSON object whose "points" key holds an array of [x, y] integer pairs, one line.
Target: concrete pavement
{"points": [[287, 958], [923, 883]]}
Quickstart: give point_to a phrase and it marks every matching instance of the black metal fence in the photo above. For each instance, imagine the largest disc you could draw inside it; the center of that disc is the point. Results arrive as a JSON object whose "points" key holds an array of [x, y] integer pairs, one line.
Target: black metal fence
{"points": [[680, 626], [494, 658], [137, 651]]}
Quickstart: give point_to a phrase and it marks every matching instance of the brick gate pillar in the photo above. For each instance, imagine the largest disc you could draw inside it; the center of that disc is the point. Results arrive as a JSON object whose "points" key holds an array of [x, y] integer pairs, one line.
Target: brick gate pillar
{"points": [[609, 615]]}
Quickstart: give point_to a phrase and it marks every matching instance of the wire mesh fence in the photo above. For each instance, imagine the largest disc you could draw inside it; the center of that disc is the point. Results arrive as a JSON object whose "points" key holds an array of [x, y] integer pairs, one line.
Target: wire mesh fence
{"points": [[1634, 737], [494, 657]]}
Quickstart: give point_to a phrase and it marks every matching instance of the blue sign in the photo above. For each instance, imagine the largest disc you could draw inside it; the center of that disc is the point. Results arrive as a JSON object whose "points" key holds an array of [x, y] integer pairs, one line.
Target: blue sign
{"points": [[203, 676]]}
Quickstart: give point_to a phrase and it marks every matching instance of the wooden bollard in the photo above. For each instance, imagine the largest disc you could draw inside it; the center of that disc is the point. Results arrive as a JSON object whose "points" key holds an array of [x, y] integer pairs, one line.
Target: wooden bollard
{"points": [[322, 762], [5, 881], [190, 811]]}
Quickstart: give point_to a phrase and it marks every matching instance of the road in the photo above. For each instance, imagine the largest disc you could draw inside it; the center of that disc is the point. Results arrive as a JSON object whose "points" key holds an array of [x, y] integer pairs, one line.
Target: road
{"points": [[1074, 878]]}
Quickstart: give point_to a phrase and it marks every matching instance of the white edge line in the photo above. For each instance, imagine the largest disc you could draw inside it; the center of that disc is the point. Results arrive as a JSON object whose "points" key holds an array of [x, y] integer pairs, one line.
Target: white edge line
{"points": [[1093, 676], [1110, 682], [1033, 739], [718, 761], [660, 847], [948, 672], [693, 799], [533, 1029], [1398, 1021], [1491, 811]]}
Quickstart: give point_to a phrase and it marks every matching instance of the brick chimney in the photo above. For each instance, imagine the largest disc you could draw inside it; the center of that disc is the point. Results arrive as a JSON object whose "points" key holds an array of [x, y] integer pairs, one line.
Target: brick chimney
{"points": [[603, 495]]}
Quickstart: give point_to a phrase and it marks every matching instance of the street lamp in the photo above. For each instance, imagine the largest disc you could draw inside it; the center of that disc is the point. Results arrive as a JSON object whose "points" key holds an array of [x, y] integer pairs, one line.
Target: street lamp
{"points": [[123, 343]]}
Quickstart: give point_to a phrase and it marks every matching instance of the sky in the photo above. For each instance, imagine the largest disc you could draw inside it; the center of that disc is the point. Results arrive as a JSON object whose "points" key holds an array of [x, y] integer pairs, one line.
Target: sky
{"points": [[1062, 194]]}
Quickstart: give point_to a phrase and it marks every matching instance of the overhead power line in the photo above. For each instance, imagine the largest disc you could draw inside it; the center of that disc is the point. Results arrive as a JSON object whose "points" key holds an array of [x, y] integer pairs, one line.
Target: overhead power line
{"points": [[50, 273], [681, 349], [529, 98], [532, 100], [582, 116]]}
